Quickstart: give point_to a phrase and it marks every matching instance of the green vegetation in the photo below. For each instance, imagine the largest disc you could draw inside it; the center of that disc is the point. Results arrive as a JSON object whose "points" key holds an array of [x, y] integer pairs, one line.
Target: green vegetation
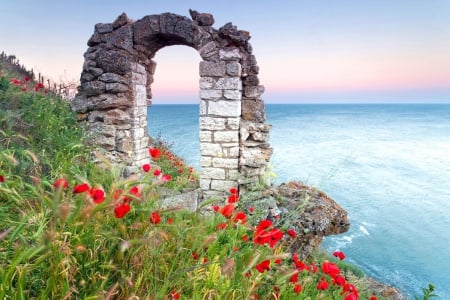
{"points": [[74, 230]]}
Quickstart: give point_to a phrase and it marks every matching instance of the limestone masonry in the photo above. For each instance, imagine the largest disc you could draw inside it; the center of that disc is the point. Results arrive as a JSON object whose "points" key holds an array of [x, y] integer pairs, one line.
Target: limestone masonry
{"points": [[115, 91]]}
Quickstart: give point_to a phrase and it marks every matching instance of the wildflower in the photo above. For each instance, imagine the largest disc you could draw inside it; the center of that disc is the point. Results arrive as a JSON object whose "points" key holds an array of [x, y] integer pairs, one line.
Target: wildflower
{"points": [[60, 183], [157, 172], [174, 296], [166, 178], [294, 278], [195, 255], [26, 78], [221, 226], [351, 297], [339, 280], [350, 288], [117, 194], [373, 298], [216, 208], [233, 198], [169, 221], [155, 218], [233, 191], [339, 254], [251, 209], [154, 153], [2, 178], [277, 261], [322, 285], [263, 266], [24, 89], [146, 167], [245, 238], [134, 190], [81, 188], [121, 210], [240, 217], [227, 211], [291, 233], [297, 288], [330, 269], [98, 195]]}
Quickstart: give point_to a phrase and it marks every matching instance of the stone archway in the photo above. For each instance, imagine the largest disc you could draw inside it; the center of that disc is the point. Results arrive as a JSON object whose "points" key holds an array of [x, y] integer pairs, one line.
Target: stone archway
{"points": [[115, 91]]}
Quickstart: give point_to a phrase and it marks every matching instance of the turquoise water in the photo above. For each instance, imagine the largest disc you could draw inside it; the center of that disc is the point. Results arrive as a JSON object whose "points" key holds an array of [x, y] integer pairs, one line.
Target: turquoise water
{"points": [[387, 165]]}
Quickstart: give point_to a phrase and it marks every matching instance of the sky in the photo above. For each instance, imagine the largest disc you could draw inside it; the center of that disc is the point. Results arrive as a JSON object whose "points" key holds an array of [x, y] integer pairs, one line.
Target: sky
{"points": [[347, 51]]}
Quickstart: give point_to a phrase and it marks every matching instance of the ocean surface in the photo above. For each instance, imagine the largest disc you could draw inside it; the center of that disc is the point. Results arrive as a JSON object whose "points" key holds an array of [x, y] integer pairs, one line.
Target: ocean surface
{"points": [[387, 165]]}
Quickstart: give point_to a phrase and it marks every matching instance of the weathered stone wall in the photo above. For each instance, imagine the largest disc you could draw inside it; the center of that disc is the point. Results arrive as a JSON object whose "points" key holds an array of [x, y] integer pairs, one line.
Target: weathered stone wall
{"points": [[115, 91]]}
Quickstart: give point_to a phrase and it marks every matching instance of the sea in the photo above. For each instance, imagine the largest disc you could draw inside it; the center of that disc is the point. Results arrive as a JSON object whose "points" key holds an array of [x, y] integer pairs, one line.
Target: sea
{"points": [[388, 165]]}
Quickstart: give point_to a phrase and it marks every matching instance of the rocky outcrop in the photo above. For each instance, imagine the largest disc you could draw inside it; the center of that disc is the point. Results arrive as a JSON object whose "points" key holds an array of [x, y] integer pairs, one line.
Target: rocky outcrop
{"points": [[310, 212]]}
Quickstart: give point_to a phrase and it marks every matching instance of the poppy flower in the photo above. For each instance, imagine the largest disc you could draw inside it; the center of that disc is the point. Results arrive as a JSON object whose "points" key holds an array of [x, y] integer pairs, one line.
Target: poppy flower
{"points": [[121, 210], [81, 188], [2, 178], [233, 198], [195, 255], [24, 89], [292, 233], [169, 221], [351, 297], [26, 78], [227, 211], [155, 218], [233, 191], [240, 217], [373, 298], [330, 269], [216, 208], [221, 226], [154, 153], [263, 266], [157, 172], [166, 178], [98, 195], [245, 238], [294, 278], [322, 285], [60, 183], [174, 296], [134, 190], [339, 254], [297, 288], [251, 209], [339, 280], [146, 167]]}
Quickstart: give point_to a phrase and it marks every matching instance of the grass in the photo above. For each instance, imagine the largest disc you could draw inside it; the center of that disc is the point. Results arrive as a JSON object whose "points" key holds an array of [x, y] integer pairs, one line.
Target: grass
{"points": [[73, 230]]}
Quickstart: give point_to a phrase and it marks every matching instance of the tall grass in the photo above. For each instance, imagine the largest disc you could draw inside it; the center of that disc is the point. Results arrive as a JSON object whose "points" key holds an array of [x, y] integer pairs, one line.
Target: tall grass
{"points": [[72, 230]]}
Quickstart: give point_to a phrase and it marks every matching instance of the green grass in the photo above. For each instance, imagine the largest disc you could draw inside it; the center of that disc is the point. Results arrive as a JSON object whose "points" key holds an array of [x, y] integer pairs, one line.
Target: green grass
{"points": [[57, 244]]}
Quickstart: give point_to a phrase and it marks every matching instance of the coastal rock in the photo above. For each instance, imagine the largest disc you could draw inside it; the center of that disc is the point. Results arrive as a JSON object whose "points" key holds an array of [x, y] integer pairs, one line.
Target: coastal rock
{"points": [[318, 215]]}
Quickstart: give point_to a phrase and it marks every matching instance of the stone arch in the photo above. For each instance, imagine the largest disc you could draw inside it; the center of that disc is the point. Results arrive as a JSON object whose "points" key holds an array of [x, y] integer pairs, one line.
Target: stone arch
{"points": [[115, 90]]}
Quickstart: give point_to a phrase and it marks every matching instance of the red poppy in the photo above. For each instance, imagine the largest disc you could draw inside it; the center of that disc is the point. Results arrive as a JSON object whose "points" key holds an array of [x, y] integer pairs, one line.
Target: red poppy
{"points": [[373, 298], [146, 167], [221, 226], [351, 297], [278, 261], [294, 278], [157, 172], [216, 208], [263, 266], [166, 178], [240, 217], [81, 188], [154, 153], [350, 288], [251, 209], [297, 288], [117, 194], [292, 233], [330, 269], [339, 280], [227, 211], [339, 254], [169, 221], [322, 285], [60, 183], [98, 195], [174, 296], [24, 89], [134, 190], [121, 210], [26, 78], [233, 198], [233, 191], [155, 218], [245, 238], [195, 255]]}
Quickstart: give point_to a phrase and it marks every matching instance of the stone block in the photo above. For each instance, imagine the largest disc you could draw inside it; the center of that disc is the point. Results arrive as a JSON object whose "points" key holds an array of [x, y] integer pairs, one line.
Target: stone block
{"points": [[210, 149], [232, 94], [223, 185], [93, 88], [229, 83], [226, 136], [225, 108], [115, 88], [212, 68], [205, 136], [229, 54], [210, 123], [210, 94], [227, 163], [111, 78], [208, 49], [232, 123], [137, 133], [207, 83], [233, 174], [140, 95], [103, 27], [205, 161], [205, 184], [233, 152], [234, 69], [212, 173], [203, 107], [253, 91], [116, 117], [186, 200]]}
